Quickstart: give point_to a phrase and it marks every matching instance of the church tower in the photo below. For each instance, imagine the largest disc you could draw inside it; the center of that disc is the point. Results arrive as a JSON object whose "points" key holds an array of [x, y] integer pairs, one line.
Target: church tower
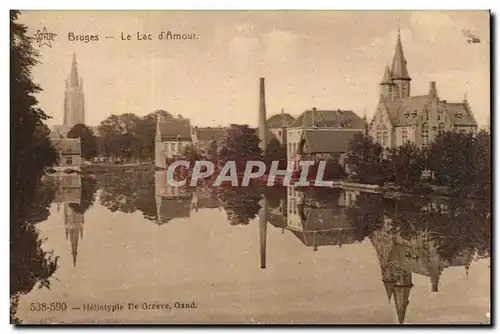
{"points": [[386, 85], [74, 108], [399, 73]]}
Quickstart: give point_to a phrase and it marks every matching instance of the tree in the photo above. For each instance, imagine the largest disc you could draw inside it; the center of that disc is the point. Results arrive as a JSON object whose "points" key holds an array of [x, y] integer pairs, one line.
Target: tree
{"points": [[407, 162], [276, 151], [451, 160], [87, 139], [365, 159], [32, 152], [240, 144], [481, 184], [119, 135]]}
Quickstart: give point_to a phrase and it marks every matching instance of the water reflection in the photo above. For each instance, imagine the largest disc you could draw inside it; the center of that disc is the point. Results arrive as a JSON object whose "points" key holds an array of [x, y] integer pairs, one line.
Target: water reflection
{"points": [[410, 236]]}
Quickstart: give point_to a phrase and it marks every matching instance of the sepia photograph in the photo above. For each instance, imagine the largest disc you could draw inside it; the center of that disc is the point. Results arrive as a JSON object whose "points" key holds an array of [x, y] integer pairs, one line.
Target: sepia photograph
{"points": [[234, 167]]}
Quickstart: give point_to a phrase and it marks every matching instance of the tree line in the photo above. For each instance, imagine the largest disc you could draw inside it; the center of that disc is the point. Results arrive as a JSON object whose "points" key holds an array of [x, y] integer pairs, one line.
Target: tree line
{"points": [[458, 163]]}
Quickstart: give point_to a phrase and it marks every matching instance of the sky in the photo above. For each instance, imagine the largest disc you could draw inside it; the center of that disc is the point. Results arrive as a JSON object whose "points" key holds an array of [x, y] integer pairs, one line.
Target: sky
{"points": [[322, 59]]}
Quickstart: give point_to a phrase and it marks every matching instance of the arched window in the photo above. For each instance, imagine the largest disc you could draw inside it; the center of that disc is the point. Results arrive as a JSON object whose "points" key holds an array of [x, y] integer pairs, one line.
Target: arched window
{"points": [[441, 128], [425, 134]]}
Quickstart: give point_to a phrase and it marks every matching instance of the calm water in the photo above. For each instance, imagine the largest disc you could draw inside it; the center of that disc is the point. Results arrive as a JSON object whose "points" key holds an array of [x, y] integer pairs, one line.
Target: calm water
{"points": [[294, 257]]}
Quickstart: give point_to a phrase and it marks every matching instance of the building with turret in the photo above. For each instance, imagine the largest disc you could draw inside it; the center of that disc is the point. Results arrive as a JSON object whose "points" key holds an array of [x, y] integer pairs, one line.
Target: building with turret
{"points": [[401, 117]]}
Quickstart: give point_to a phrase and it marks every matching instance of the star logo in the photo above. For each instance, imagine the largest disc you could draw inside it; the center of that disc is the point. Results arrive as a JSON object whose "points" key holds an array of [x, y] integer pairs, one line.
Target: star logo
{"points": [[43, 37]]}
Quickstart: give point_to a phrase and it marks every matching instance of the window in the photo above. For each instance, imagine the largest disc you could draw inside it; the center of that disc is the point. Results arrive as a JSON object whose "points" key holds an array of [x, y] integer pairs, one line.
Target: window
{"points": [[414, 113], [294, 145], [69, 161], [425, 134], [385, 139], [459, 115], [441, 128], [407, 114], [463, 131], [381, 117], [290, 148], [378, 137], [405, 135], [439, 117]]}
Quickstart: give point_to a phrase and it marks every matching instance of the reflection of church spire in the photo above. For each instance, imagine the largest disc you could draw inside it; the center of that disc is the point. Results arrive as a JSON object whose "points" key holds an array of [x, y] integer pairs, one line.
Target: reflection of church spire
{"points": [[74, 229], [263, 232], [402, 294]]}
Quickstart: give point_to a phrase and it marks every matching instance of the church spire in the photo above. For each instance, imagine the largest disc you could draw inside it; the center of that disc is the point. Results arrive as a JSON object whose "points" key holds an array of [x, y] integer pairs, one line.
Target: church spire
{"points": [[387, 76], [73, 77], [399, 70]]}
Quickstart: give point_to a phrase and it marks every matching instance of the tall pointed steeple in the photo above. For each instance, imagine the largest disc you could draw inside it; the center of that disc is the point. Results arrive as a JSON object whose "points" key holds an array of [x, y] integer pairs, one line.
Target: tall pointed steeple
{"points": [[399, 69], [386, 79], [74, 106], [73, 77]]}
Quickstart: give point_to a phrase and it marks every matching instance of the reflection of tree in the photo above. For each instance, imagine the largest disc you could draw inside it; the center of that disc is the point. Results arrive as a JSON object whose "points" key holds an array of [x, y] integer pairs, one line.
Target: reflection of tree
{"points": [[240, 203], [89, 188], [145, 201], [366, 215], [119, 192], [129, 192], [456, 226]]}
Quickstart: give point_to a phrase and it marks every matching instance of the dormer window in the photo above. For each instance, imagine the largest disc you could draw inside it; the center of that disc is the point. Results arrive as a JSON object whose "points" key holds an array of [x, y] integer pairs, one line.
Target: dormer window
{"points": [[414, 113], [407, 114], [459, 115]]}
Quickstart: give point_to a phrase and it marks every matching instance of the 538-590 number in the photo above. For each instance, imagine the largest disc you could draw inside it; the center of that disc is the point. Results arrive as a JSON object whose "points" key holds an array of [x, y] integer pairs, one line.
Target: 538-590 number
{"points": [[53, 306]]}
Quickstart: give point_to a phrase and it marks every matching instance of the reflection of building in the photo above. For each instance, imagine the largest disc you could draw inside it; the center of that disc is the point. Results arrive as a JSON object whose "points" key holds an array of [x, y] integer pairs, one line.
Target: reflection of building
{"points": [[68, 193], [172, 136], [204, 137], [319, 222], [401, 257], [402, 118], [73, 222], [206, 198], [69, 153], [171, 202]]}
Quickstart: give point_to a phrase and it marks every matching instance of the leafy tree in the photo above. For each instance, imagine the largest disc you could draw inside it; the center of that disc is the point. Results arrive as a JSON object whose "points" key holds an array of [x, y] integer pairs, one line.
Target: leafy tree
{"points": [[240, 144], [190, 153], [87, 139], [119, 135], [276, 151], [32, 153], [451, 160], [365, 159], [407, 162], [481, 184]]}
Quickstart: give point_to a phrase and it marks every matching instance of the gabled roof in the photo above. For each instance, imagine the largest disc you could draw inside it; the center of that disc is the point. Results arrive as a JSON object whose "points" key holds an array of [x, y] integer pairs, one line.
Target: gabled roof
{"points": [[175, 129], [328, 141], [328, 119], [279, 121], [458, 113], [405, 111], [67, 145], [209, 133]]}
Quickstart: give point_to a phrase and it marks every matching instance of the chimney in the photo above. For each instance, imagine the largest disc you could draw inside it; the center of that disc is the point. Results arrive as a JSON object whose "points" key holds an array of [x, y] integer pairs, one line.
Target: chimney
{"points": [[434, 286], [432, 89], [313, 116], [262, 116]]}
